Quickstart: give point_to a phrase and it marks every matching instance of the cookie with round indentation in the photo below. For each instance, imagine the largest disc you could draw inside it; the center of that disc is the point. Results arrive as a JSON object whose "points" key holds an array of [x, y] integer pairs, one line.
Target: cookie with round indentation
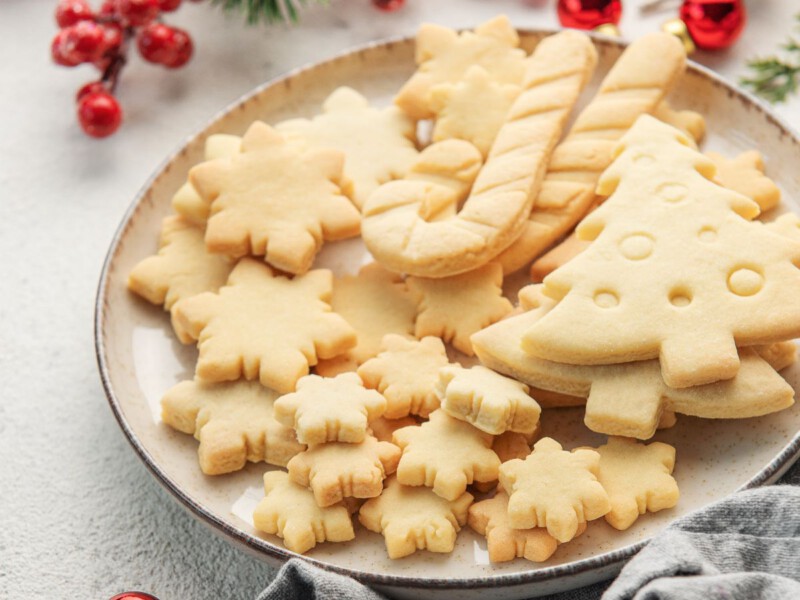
{"points": [[414, 518], [676, 270], [555, 489], [263, 326], [330, 409]]}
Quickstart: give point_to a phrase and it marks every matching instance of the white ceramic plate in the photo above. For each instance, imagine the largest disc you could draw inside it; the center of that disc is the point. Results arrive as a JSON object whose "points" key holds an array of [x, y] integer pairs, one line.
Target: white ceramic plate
{"points": [[139, 358]]}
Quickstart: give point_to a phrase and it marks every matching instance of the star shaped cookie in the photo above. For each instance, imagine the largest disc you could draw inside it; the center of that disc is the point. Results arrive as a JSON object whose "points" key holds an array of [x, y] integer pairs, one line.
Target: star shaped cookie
{"points": [[330, 409], [275, 199], [262, 326], [233, 423], [446, 455], [745, 174], [414, 518]]}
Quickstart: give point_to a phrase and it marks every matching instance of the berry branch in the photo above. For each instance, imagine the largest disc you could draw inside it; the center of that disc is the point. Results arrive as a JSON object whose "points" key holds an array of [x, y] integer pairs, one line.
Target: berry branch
{"points": [[774, 78]]}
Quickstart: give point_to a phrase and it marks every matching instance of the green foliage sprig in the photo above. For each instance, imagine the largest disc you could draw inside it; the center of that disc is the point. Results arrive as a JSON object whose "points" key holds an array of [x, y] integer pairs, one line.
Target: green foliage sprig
{"points": [[775, 78], [266, 11]]}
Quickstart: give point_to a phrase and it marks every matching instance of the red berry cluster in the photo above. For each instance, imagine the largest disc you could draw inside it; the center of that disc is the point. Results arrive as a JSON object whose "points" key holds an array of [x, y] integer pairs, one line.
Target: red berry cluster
{"points": [[102, 39]]}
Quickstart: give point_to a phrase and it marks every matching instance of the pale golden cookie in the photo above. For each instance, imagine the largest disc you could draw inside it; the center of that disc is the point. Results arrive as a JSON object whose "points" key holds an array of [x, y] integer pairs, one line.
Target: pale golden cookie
{"points": [[335, 409], [507, 446], [555, 489], [558, 255], [444, 56], [262, 326], [383, 429], [378, 143], [336, 470], [688, 121], [181, 269], [233, 423], [186, 201], [375, 302], [473, 109], [414, 518], [640, 292], [453, 308], [275, 200], [289, 511], [406, 372], [745, 174], [779, 355], [638, 479], [626, 399], [406, 235], [445, 454], [631, 88], [490, 518], [487, 400]]}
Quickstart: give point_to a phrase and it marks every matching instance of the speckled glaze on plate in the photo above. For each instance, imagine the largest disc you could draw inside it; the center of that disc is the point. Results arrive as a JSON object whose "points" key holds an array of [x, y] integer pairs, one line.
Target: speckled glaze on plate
{"points": [[139, 358]]}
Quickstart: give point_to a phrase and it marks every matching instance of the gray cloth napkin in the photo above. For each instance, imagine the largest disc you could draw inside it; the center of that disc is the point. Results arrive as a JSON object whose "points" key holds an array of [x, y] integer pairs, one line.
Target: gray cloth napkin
{"points": [[746, 547]]}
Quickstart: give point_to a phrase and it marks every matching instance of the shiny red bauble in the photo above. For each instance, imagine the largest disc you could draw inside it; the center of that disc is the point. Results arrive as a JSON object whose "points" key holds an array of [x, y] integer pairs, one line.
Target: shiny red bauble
{"points": [[714, 24], [588, 14], [99, 114]]}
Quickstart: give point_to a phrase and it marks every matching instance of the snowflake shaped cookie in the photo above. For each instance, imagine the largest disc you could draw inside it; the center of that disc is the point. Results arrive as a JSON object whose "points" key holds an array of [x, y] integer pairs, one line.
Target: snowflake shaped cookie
{"points": [[275, 199], [330, 409], [262, 326], [233, 423]]}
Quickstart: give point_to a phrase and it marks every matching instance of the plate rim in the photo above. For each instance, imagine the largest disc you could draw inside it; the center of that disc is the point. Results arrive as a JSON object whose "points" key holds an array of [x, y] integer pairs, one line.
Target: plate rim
{"points": [[782, 461]]}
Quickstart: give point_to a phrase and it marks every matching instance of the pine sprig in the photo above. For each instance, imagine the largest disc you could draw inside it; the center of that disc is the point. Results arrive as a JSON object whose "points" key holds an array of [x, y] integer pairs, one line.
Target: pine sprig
{"points": [[775, 78], [266, 11]]}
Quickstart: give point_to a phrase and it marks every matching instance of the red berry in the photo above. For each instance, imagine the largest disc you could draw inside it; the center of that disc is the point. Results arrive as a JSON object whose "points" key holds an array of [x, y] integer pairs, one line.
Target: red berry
{"points": [[133, 596], [92, 87], [156, 42], [112, 37], [182, 49], [137, 12], [169, 5], [388, 5], [84, 41], [59, 54], [99, 114], [69, 12], [108, 8]]}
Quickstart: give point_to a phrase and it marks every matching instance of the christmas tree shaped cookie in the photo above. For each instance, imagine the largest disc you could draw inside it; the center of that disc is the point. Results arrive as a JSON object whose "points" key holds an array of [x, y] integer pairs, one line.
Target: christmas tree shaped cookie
{"points": [[337, 470], [555, 489], [444, 56], [289, 511], [414, 518], [406, 372], [445, 454], [261, 326], [330, 409], [376, 302], [676, 270], [378, 143], [181, 269], [232, 421], [276, 200]]}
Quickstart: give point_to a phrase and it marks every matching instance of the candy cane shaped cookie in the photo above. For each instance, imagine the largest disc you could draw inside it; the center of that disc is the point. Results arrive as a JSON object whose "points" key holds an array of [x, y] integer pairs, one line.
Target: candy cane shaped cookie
{"points": [[411, 226]]}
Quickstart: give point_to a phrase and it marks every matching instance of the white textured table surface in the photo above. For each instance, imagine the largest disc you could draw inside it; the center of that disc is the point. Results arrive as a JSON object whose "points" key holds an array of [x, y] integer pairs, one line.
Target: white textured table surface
{"points": [[80, 517]]}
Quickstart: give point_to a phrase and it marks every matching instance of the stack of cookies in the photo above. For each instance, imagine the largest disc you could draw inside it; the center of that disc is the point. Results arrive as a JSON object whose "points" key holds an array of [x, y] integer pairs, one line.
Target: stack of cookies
{"points": [[669, 297]]}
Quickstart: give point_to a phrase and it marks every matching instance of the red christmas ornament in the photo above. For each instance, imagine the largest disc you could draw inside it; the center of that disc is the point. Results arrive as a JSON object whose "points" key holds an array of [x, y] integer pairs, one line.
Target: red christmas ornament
{"points": [[133, 596], [714, 24], [388, 5], [99, 114], [589, 14]]}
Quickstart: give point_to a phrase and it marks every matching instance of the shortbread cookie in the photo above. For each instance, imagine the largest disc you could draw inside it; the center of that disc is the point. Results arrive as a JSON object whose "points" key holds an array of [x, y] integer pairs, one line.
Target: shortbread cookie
{"points": [[559, 255], [376, 302], [289, 511], [398, 228], [779, 355], [181, 269], [186, 201], [639, 291], [414, 518], [631, 88], [445, 454], [555, 489], [262, 326], [275, 200], [379, 144], [444, 56], [487, 400], [638, 479], [406, 372], [336, 470], [490, 518], [473, 109], [233, 423], [453, 308], [745, 174], [627, 399], [336, 409], [688, 121], [383, 429], [507, 446]]}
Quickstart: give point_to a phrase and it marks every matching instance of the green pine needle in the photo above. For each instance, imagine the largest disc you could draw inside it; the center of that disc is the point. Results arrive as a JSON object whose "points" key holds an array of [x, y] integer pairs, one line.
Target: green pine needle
{"points": [[775, 78], [266, 11]]}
